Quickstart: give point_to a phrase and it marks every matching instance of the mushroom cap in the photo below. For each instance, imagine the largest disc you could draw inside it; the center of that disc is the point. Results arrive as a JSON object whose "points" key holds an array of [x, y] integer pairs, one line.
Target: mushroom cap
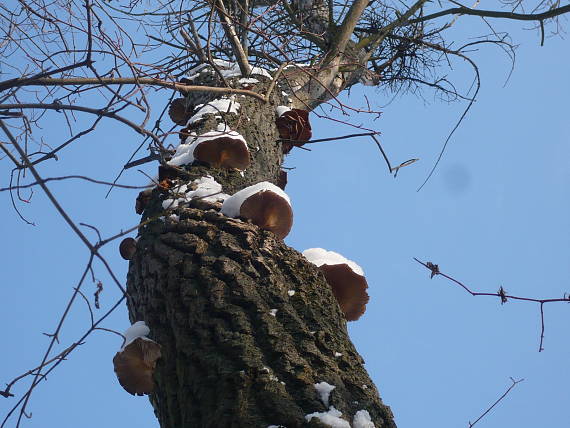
{"points": [[134, 365], [294, 125], [223, 152], [128, 248], [346, 279], [349, 289], [265, 204], [142, 200], [269, 211], [167, 172], [220, 148], [178, 111]]}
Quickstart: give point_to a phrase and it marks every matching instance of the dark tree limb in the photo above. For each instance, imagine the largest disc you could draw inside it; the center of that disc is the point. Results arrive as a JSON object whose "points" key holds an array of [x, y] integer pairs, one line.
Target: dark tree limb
{"points": [[462, 10]]}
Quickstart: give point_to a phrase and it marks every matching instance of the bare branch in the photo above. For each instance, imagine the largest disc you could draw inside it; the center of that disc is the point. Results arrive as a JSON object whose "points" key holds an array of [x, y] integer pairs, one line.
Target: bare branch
{"points": [[501, 294], [514, 383], [462, 10]]}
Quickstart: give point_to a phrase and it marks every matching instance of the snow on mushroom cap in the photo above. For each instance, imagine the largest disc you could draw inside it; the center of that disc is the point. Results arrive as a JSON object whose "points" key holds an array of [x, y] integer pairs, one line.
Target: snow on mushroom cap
{"points": [[217, 106], [135, 362], [232, 205], [138, 329], [320, 256], [279, 110], [185, 153], [265, 204], [345, 278]]}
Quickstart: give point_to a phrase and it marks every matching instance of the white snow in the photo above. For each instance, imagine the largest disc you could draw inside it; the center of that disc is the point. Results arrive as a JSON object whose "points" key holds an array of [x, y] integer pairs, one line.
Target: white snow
{"points": [[232, 205], [324, 389], [195, 71], [338, 354], [219, 105], [206, 188], [279, 110], [231, 69], [273, 312], [330, 418], [319, 256], [291, 292], [247, 80], [170, 204], [364, 386], [138, 329], [227, 68], [362, 420], [185, 151]]}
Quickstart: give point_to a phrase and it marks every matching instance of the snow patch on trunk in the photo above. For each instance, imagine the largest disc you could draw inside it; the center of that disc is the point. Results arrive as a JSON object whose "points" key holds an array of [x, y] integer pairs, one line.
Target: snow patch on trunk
{"points": [[362, 420], [324, 390], [331, 418], [204, 188]]}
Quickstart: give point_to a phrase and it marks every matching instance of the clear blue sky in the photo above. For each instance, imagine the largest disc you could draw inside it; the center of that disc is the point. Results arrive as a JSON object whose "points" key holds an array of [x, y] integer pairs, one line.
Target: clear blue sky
{"points": [[496, 212]]}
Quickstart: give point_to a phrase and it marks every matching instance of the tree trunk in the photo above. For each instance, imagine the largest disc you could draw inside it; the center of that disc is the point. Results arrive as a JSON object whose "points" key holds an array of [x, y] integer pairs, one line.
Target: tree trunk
{"points": [[239, 348]]}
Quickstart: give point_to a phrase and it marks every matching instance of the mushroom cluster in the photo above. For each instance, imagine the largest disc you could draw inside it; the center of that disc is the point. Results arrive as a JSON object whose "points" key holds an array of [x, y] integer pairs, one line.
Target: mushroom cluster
{"points": [[265, 204], [346, 279], [135, 362]]}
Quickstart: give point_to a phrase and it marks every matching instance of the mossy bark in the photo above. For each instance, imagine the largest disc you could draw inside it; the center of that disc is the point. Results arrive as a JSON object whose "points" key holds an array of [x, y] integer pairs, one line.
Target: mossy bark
{"points": [[247, 325]]}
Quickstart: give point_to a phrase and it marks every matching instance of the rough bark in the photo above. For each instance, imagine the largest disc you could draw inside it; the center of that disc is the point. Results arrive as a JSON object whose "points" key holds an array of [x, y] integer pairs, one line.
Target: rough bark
{"points": [[208, 287]]}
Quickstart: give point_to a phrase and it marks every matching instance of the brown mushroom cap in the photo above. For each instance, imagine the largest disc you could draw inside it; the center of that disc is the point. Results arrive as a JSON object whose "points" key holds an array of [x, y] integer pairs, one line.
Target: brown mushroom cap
{"points": [[349, 288], [223, 152], [269, 211], [134, 366], [178, 111], [294, 126], [142, 200], [128, 248], [167, 172]]}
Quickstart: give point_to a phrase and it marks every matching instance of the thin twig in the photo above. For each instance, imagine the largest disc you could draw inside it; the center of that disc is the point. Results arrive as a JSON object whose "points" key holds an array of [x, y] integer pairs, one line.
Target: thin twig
{"points": [[514, 383], [501, 293]]}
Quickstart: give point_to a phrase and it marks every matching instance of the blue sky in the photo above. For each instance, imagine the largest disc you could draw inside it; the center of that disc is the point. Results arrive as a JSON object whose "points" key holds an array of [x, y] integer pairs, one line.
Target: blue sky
{"points": [[496, 212]]}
